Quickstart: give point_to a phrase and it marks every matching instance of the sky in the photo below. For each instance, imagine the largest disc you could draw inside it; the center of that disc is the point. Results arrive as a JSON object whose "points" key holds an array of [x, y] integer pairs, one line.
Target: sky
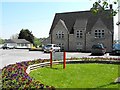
{"points": [[37, 15]]}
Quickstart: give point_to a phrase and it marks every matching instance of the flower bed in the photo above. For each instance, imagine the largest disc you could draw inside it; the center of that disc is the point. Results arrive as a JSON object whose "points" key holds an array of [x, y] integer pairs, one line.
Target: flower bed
{"points": [[94, 59], [14, 76]]}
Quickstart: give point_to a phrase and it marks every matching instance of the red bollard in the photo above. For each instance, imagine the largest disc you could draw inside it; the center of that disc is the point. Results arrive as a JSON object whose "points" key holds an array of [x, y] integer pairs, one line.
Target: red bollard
{"points": [[64, 60], [51, 59]]}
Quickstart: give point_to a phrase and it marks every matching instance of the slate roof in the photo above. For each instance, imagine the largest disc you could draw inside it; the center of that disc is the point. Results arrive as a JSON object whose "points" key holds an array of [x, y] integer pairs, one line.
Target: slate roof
{"points": [[63, 23], [80, 23], [70, 18], [22, 41], [9, 41]]}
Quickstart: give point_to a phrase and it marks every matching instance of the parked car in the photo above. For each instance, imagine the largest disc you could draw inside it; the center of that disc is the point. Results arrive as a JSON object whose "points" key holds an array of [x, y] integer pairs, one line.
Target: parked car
{"points": [[98, 49], [51, 47], [8, 46], [1, 45], [116, 48]]}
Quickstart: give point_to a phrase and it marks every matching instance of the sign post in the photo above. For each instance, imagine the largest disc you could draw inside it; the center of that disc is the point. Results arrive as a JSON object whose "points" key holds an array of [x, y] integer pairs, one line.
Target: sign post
{"points": [[51, 59], [64, 60], [58, 56]]}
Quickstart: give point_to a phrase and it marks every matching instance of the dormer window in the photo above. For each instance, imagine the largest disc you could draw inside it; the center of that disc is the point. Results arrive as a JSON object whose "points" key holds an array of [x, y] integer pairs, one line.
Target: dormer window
{"points": [[79, 33], [60, 34], [99, 33]]}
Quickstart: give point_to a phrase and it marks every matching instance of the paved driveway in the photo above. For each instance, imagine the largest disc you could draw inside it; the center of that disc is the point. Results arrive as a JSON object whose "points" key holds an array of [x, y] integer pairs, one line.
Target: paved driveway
{"points": [[18, 55]]}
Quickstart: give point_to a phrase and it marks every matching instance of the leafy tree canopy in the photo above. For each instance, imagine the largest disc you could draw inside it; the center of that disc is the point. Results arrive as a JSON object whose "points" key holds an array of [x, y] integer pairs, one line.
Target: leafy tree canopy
{"points": [[104, 4], [1, 41], [37, 42], [26, 34]]}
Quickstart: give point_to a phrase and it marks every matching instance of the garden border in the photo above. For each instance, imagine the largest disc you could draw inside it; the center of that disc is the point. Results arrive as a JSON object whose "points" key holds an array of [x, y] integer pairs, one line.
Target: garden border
{"points": [[36, 66]]}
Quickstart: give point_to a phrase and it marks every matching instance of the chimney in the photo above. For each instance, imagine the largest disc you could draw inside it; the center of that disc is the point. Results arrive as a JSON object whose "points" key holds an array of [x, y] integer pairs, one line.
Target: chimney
{"points": [[110, 6]]}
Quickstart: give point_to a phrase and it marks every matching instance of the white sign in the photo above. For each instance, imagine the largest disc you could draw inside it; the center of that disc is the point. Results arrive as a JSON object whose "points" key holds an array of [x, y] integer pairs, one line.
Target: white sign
{"points": [[57, 55]]}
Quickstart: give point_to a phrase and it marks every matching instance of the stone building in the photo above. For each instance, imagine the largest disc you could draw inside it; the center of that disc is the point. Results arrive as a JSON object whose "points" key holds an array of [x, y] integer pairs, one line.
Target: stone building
{"points": [[79, 31]]}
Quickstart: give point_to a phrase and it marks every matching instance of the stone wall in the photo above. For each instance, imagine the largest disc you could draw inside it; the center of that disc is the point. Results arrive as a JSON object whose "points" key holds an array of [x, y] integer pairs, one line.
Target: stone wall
{"points": [[60, 27], [106, 40]]}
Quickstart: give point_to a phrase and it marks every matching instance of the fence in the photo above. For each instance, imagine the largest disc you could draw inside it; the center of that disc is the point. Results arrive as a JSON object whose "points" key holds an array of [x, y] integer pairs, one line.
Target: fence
{"points": [[35, 66]]}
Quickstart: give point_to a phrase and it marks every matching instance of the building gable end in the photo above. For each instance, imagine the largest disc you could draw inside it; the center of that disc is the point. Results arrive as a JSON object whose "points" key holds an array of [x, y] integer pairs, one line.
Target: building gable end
{"points": [[61, 24], [99, 24]]}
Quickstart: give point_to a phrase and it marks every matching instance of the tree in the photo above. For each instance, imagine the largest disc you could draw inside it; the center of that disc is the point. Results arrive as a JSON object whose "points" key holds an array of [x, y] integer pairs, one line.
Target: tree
{"points": [[26, 34], [1, 41], [37, 42], [105, 5]]}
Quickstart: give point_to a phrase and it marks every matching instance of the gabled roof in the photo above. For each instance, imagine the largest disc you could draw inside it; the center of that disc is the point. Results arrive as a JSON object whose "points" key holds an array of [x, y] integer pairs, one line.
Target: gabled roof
{"points": [[70, 18], [61, 22], [9, 41], [22, 41], [80, 23]]}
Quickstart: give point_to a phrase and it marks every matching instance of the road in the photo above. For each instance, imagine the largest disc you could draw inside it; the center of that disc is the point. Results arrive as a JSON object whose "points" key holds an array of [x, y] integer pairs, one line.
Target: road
{"points": [[17, 55]]}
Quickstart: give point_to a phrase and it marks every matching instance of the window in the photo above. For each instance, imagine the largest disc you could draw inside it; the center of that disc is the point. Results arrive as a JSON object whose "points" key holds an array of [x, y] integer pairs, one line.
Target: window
{"points": [[61, 45], [79, 34], [60, 34], [99, 33], [78, 46]]}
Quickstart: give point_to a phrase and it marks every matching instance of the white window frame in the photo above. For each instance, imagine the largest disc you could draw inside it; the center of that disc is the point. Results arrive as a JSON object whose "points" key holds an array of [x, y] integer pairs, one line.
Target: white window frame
{"points": [[60, 34], [61, 45], [79, 34], [99, 33]]}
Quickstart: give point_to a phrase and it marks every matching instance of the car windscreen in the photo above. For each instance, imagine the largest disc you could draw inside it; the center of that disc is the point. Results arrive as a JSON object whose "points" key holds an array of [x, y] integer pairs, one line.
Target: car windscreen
{"points": [[97, 46], [49, 46]]}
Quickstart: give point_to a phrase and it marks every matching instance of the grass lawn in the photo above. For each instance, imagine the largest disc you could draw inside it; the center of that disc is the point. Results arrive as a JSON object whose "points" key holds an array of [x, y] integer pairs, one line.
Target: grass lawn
{"points": [[0, 80], [78, 76]]}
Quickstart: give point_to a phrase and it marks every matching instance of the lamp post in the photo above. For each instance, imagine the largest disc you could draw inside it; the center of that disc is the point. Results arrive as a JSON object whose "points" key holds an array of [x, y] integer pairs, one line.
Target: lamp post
{"points": [[118, 20]]}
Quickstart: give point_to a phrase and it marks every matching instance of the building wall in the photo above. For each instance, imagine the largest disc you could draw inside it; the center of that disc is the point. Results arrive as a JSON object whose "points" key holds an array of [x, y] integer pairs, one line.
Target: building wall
{"points": [[106, 40], [29, 45], [79, 43], [71, 42], [22, 45], [47, 41], [60, 27]]}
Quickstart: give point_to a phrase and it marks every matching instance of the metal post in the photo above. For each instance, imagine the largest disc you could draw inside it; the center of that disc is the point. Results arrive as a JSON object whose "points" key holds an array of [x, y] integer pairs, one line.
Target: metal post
{"points": [[64, 60], [51, 59]]}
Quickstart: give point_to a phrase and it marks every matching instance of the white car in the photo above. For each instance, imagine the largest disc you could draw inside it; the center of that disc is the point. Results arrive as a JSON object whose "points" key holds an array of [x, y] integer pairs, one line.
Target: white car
{"points": [[51, 48], [8, 46]]}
